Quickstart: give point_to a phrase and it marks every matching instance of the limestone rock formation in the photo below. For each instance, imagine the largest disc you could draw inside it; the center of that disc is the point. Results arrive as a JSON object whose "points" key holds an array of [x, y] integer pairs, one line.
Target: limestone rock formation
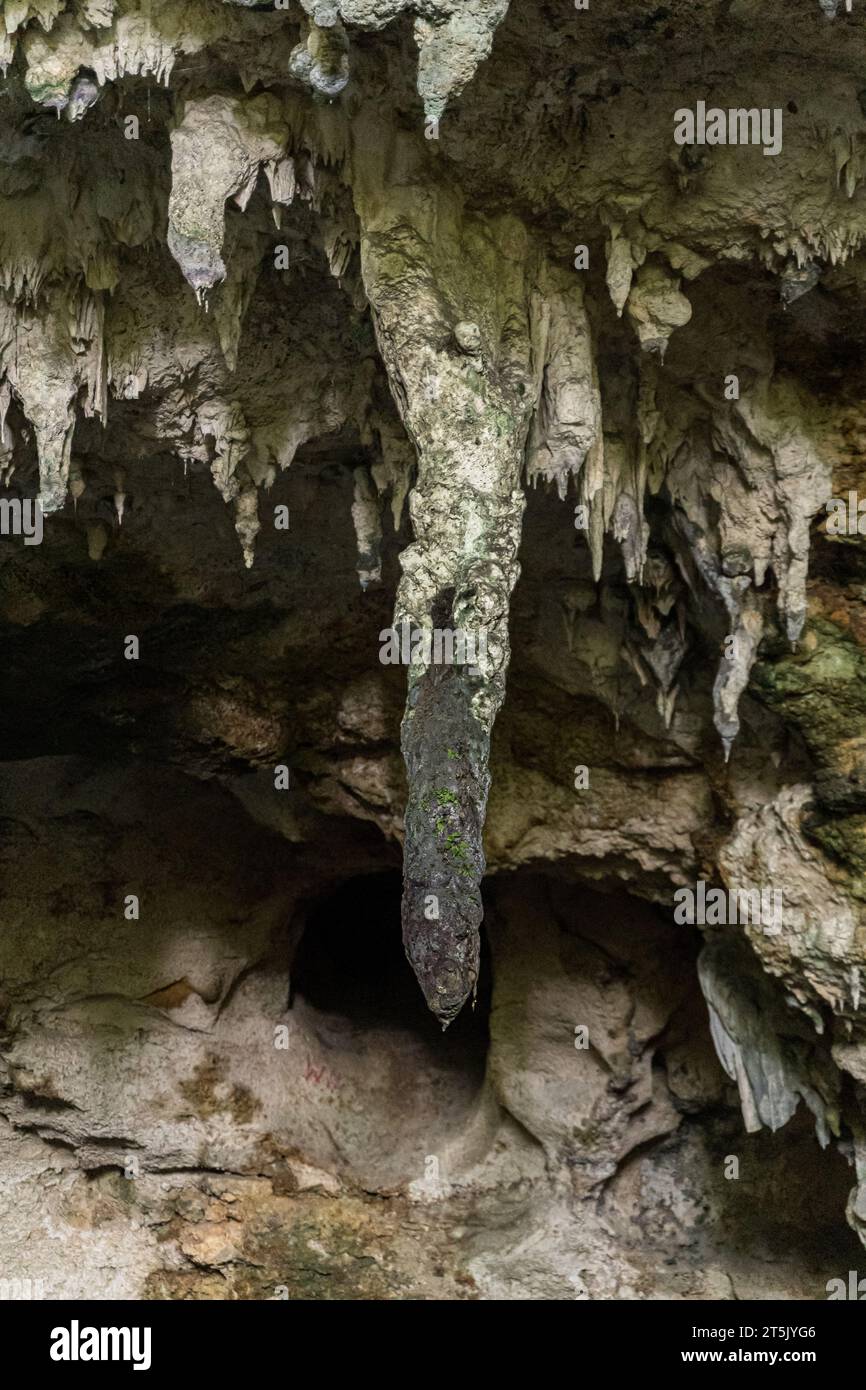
{"points": [[419, 477]]}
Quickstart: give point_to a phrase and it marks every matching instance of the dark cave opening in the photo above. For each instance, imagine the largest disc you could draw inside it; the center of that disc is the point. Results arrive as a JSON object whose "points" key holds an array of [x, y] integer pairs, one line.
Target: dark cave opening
{"points": [[350, 965]]}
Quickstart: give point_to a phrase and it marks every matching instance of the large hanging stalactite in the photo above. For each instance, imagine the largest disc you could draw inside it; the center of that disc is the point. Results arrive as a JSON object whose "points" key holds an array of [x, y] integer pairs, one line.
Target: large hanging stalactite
{"points": [[473, 330], [449, 296]]}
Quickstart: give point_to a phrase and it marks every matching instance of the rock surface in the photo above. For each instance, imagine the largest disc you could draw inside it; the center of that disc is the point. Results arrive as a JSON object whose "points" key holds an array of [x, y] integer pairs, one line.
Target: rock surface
{"points": [[333, 326]]}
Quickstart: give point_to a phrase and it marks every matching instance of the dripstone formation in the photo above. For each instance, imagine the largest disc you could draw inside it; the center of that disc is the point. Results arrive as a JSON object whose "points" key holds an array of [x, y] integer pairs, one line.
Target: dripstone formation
{"points": [[531, 328]]}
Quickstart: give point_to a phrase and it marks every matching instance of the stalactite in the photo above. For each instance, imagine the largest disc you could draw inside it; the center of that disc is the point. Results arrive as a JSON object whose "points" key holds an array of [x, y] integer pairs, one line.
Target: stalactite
{"points": [[466, 402]]}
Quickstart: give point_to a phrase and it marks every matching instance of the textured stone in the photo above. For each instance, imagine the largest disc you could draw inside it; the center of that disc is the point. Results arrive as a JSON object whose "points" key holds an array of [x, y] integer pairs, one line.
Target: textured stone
{"points": [[296, 345]]}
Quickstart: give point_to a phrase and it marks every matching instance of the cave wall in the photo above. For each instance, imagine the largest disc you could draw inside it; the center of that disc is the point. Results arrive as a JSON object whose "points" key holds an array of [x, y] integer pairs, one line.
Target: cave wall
{"points": [[322, 320]]}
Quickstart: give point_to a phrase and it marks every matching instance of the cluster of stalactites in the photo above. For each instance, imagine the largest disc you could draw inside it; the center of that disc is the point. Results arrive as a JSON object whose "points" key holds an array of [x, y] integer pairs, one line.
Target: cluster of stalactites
{"points": [[74, 332], [742, 505], [118, 38], [740, 513], [743, 512]]}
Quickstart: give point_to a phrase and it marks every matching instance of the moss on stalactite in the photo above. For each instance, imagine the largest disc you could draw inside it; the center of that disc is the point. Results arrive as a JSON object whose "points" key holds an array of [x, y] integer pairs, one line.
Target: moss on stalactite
{"points": [[446, 751]]}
